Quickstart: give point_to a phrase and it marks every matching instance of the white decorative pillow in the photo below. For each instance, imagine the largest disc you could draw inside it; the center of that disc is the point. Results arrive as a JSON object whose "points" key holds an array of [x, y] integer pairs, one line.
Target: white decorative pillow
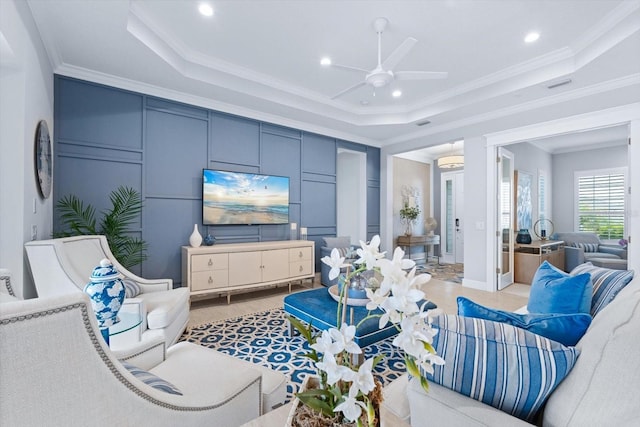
{"points": [[509, 368], [151, 379], [131, 288]]}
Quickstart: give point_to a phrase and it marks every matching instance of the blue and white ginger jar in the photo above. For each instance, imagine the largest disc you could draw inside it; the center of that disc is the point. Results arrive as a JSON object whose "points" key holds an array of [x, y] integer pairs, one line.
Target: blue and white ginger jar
{"points": [[106, 291]]}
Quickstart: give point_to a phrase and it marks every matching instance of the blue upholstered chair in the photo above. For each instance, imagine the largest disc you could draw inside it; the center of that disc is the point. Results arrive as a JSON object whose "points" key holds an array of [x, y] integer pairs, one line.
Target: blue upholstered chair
{"points": [[347, 250]]}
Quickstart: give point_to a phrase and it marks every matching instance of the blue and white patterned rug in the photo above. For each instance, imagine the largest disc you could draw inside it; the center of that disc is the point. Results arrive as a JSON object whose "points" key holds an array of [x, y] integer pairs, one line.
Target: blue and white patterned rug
{"points": [[263, 338]]}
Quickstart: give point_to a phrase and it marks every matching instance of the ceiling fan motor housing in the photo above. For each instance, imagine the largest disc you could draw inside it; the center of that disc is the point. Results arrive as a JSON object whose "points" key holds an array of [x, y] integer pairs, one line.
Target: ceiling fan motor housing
{"points": [[379, 78]]}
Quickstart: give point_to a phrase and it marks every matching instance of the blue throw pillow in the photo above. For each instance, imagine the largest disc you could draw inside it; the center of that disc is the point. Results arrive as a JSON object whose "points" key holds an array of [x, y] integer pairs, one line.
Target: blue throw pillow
{"points": [[554, 291], [498, 364], [566, 329], [606, 283]]}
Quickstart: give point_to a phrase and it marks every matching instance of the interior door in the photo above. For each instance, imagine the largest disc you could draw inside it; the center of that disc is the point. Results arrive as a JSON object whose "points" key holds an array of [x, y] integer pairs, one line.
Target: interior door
{"points": [[505, 235], [452, 196]]}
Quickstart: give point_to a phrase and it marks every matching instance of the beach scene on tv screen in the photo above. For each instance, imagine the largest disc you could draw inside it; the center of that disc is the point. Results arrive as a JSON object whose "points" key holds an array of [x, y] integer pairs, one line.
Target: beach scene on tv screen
{"points": [[240, 198]]}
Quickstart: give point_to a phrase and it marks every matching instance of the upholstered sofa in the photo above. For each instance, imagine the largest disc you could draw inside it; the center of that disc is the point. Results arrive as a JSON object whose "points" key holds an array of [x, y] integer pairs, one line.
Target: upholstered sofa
{"points": [[581, 247], [347, 250], [600, 389], [56, 369]]}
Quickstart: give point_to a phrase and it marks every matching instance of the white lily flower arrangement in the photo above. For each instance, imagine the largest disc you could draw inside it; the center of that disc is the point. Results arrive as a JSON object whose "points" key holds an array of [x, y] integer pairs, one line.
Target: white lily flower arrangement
{"points": [[348, 391]]}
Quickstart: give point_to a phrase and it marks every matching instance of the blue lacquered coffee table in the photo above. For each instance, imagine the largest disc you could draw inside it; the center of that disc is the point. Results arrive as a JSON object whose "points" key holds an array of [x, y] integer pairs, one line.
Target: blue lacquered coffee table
{"points": [[318, 308]]}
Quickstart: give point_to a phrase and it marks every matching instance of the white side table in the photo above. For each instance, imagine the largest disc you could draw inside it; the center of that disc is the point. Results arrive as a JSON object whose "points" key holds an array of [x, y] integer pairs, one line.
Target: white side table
{"points": [[126, 332]]}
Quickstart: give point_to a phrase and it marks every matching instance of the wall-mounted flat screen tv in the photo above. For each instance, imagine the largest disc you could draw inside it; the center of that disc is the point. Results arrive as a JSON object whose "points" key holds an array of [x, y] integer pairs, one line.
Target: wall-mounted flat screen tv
{"points": [[244, 198]]}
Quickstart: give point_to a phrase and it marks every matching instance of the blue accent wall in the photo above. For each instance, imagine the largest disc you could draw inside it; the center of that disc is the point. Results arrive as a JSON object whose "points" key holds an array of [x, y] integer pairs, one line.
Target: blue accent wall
{"points": [[107, 137]]}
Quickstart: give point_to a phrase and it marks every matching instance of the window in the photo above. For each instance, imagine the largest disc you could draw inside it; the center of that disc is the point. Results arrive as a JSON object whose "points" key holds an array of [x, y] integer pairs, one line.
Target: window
{"points": [[601, 202]]}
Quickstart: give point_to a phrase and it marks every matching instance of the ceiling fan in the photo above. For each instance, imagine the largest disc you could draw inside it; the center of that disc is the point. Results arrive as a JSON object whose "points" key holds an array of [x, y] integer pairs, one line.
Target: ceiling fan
{"points": [[383, 74]]}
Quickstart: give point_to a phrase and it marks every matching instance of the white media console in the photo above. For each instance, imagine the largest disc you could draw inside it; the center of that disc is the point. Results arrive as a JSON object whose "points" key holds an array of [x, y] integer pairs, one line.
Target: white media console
{"points": [[232, 267]]}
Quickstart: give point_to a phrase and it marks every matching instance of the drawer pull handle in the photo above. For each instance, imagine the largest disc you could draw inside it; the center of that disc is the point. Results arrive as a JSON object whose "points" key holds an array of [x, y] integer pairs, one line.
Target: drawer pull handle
{"points": [[210, 279], [301, 269], [300, 254], [210, 262]]}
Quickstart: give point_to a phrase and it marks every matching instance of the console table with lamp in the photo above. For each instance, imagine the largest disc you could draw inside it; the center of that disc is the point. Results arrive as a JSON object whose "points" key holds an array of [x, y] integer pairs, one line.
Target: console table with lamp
{"points": [[529, 256]]}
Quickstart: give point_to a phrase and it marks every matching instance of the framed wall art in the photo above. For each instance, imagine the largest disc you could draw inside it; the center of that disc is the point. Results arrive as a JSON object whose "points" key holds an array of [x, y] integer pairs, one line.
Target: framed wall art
{"points": [[524, 183], [43, 159]]}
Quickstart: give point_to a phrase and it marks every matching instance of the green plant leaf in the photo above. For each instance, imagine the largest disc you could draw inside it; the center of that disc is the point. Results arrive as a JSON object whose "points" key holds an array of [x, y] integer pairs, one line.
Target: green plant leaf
{"points": [[412, 368], [76, 219], [313, 399], [424, 383], [429, 348], [377, 359], [304, 330]]}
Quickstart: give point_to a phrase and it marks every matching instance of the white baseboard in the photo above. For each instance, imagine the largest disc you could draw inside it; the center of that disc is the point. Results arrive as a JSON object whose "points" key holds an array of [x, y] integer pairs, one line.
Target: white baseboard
{"points": [[475, 284]]}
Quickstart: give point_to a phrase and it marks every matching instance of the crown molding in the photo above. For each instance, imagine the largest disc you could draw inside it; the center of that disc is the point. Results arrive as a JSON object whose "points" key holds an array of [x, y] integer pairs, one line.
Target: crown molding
{"points": [[610, 23], [631, 80], [199, 101], [197, 66], [593, 120]]}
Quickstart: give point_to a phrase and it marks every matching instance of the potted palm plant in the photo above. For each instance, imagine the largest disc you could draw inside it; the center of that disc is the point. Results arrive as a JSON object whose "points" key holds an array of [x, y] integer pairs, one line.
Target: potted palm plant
{"points": [[126, 204]]}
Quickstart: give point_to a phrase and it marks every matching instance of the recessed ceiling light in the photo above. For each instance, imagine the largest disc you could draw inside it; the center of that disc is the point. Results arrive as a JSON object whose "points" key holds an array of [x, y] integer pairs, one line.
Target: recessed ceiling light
{"points": [[531, 37], [396, 93], [325, 62], [205, 9]]}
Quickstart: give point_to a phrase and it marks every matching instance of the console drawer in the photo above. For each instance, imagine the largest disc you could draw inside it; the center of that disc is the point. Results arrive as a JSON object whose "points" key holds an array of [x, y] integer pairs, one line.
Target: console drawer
{"points": [[209, 262]]}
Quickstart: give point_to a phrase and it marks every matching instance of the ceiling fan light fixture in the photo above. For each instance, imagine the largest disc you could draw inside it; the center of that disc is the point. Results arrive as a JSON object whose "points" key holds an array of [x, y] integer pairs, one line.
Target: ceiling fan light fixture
{"points": [[379, 78], [450, 162]]}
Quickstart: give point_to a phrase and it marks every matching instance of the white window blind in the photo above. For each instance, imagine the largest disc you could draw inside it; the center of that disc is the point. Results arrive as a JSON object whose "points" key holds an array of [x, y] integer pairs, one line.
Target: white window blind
{"points": [[601, 202]]}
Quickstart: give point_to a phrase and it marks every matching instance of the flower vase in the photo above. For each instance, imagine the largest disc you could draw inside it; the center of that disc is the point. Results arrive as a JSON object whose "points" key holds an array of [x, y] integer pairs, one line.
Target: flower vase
{"points": [[408, 231], [106, 292], [195, 240]]}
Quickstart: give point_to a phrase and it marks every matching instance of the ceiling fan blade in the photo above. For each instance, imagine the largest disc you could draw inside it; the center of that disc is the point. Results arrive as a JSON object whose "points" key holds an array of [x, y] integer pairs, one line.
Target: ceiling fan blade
{"points": [[420, 75], [400, 52], [349, 89], [350, 68]]}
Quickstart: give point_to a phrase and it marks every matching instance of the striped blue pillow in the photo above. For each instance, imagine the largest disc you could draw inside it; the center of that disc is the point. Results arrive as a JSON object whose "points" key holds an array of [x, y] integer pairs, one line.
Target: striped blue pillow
{"points": [[587, 247], [131, 288], [606, 284], [150, 379], [506, 367]]}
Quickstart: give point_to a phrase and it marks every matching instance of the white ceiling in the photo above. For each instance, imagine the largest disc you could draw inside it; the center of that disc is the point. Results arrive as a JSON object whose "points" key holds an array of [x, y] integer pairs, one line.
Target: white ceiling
{"points": [[260, 59]]}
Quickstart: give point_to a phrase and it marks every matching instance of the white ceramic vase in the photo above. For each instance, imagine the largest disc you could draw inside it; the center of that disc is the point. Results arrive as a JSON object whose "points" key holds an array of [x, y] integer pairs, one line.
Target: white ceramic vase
{"points": [[195, 239]]}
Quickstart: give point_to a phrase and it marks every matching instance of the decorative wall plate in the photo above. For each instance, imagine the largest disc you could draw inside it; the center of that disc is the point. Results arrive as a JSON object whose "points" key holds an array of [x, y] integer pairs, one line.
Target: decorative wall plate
{"points": [[43, 159]]}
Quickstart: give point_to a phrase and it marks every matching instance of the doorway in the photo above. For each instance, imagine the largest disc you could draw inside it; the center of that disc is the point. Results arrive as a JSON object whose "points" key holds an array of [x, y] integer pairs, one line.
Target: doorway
{"points": [[351, 195], [505, 207], [451, 216]]}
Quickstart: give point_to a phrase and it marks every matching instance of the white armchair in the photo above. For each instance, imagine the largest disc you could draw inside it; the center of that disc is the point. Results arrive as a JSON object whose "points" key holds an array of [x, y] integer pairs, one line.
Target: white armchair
{"points": [[57, 369], [6, 287], [62, 266]]}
